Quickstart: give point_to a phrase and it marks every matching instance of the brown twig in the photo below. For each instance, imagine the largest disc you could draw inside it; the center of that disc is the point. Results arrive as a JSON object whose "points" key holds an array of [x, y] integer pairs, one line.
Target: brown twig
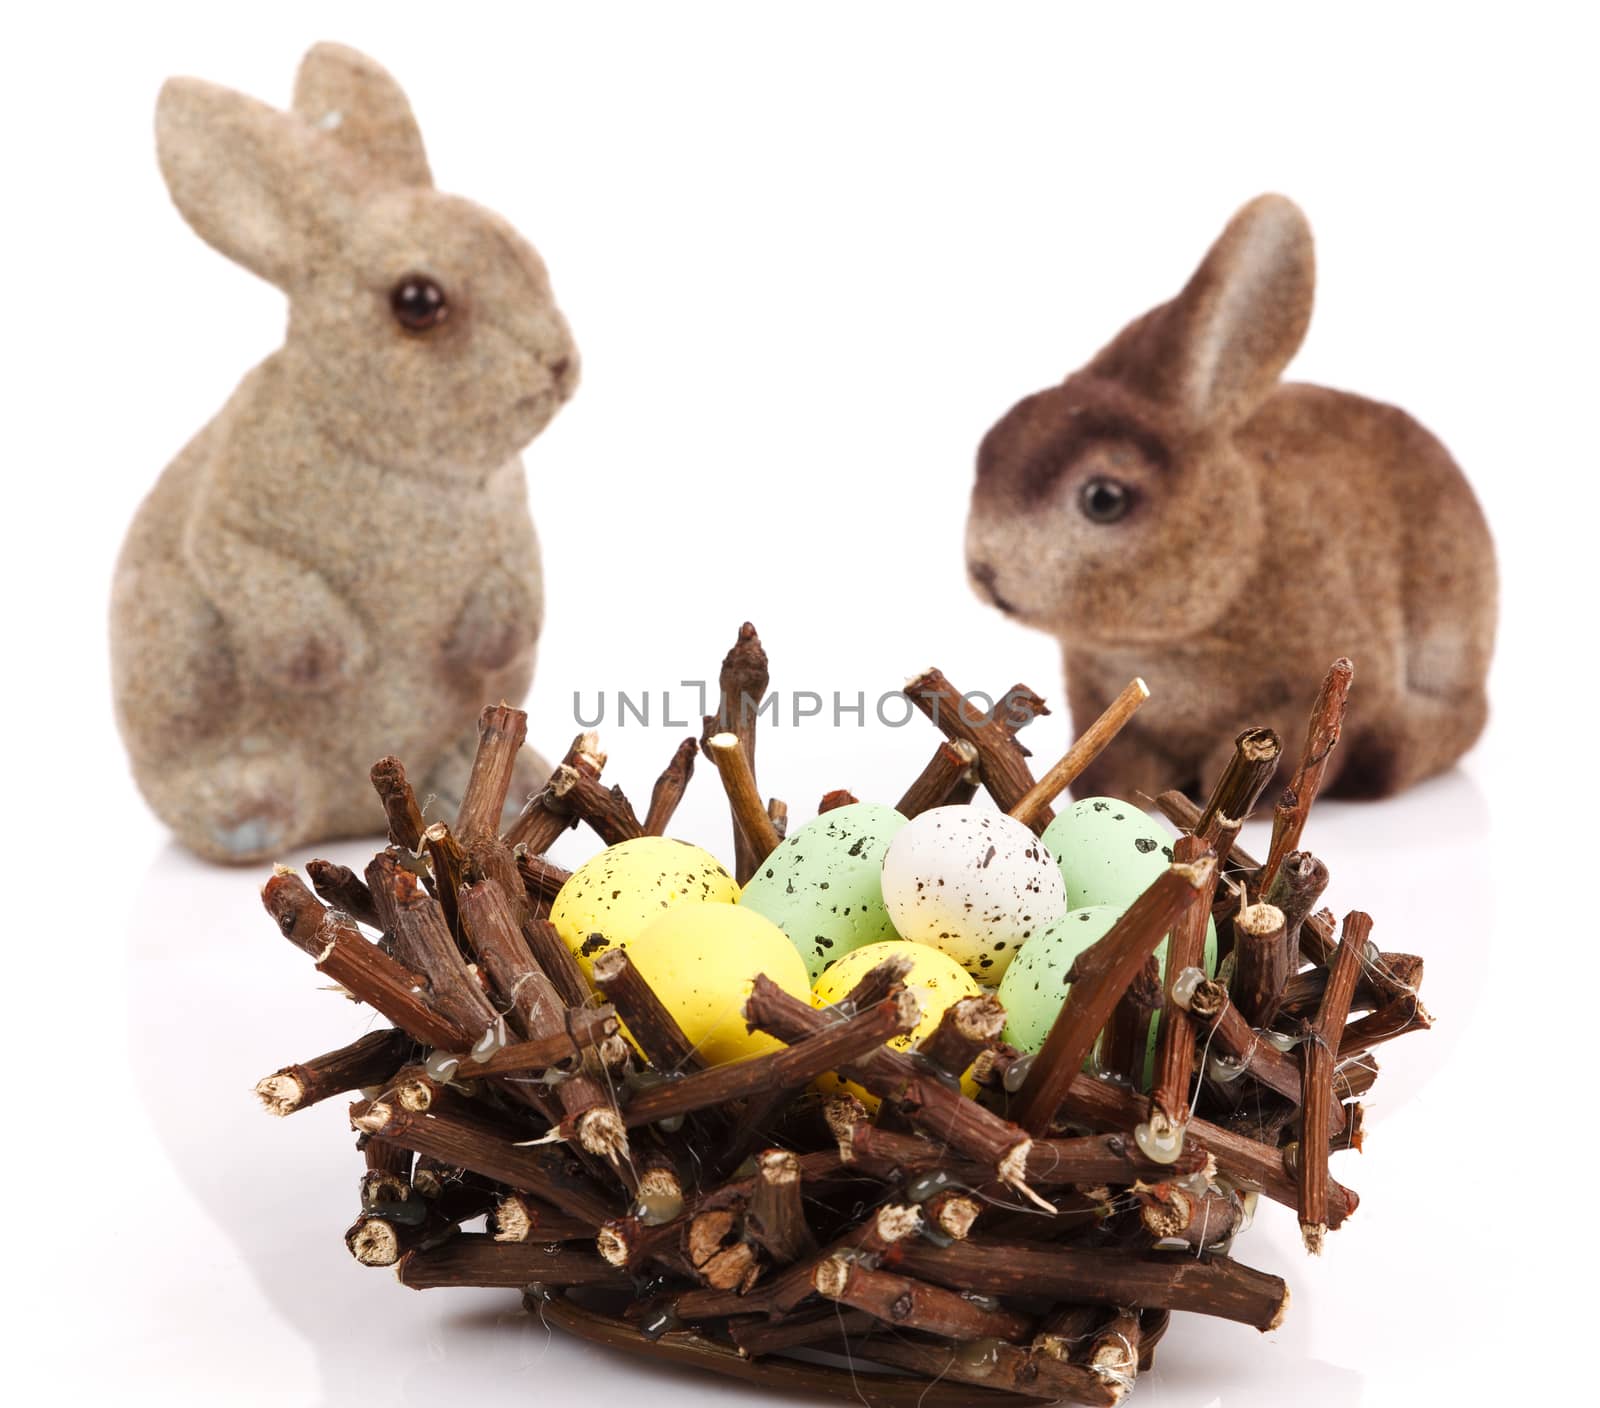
{"points": [[423, 941], [895, 1077], [522, 990], [1185, 815], [370, 1060], [650, 1024], [1032, 808], [585, 1027], [546, 815], [555, 961], [1213, 1010], [1261, 963], [750, 816], [1169, 1095], [501, 731], [542, 878], [516, 1217], [1320, 1053], [399, 804], [1220, 1287], [1256, 752], [1125, 1042], [743, 685], [1099, 1103], [1002, 760], [341, 952], [527, 992], [605, 810], [876, 983], [1098, 978], [343, 889], [968, 1025], [933, 785], [1171, 1211], [449, 864], [456, 1140], [476, 1259], [826, 1047], [669, 788], [912, 1304], [1295, 890], [1322, 736], [776, 1217]]}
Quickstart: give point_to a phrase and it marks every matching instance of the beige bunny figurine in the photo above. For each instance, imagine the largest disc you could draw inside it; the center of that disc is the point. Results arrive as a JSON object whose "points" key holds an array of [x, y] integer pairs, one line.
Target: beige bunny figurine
{"points": [[341, 564], [1175, 511]]}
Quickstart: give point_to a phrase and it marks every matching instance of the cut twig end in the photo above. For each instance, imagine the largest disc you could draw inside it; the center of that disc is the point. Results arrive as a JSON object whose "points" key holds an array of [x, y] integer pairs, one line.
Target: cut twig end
{"points": [[1197, 872], [1283, 1313], [601, 1131], [1259, 920], [280, 1094], [374, 1242], [832, 1276], [372, 1118]]}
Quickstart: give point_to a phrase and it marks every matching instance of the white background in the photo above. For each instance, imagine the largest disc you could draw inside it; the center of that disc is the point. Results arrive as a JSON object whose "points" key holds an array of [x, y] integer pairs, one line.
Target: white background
{"points": [[809, 253]]}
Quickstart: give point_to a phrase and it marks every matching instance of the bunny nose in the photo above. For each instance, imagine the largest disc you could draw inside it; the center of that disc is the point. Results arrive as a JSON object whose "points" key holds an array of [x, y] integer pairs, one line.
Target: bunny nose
{"points": [[985, 577]]}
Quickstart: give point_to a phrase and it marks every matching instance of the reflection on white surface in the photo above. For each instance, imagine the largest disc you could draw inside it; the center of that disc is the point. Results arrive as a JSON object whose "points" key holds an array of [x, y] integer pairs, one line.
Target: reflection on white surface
{"points": [[209, 977]]}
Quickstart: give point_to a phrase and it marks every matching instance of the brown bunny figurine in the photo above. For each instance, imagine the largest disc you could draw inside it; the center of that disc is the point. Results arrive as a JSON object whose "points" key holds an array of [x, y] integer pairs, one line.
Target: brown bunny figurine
{"points": [[341, 563], [1175, 511]]}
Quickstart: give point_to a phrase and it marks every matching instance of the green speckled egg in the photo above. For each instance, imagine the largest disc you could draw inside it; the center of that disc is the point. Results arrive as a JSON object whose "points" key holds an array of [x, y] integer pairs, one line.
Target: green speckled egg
{"points": [[1035, 985], [823, 886], [1108, 851], [611, 897]]}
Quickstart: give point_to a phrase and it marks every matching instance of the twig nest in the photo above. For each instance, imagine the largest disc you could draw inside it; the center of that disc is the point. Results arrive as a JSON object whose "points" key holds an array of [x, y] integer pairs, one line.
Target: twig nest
{"points": [[973, 882], [823, 886], [701, 960], [612, 897]]}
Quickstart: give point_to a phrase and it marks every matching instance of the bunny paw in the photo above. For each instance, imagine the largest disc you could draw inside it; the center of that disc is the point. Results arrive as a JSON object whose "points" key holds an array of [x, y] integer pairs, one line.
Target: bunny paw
{"points": [[240, 809], [498, 623]]}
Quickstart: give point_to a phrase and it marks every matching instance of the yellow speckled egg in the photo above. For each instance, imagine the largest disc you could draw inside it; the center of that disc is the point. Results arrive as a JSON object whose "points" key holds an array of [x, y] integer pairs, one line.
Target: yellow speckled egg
{"points": [[936, 977], [701, 960], [613, 896]]}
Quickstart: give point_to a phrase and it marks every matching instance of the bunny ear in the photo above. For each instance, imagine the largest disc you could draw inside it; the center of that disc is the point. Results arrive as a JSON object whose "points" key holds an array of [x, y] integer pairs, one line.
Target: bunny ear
{"points": [[1219, 347], [357, 102], [255, 183]]}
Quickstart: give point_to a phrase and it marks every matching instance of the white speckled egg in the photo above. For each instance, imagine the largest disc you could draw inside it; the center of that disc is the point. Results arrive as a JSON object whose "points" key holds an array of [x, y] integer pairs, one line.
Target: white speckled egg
{"points": [[973, 882]]}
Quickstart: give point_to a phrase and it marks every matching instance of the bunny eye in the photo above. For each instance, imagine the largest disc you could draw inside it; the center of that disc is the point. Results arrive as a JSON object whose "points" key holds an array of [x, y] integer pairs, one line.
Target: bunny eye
{"points": [[419, 303], [1104, 500]]}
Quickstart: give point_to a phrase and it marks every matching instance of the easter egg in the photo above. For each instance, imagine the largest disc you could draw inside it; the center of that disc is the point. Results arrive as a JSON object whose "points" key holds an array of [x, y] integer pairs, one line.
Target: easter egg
{"points": [[701, 959], [611, 897], [937, 979], [1109, 852], [973, 882], [823, 886], [1035, 985]]}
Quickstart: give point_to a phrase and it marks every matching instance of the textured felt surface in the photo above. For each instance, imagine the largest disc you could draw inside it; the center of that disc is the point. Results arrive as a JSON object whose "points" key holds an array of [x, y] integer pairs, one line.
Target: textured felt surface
{"points": [[341, 564], [1272, 527]]}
